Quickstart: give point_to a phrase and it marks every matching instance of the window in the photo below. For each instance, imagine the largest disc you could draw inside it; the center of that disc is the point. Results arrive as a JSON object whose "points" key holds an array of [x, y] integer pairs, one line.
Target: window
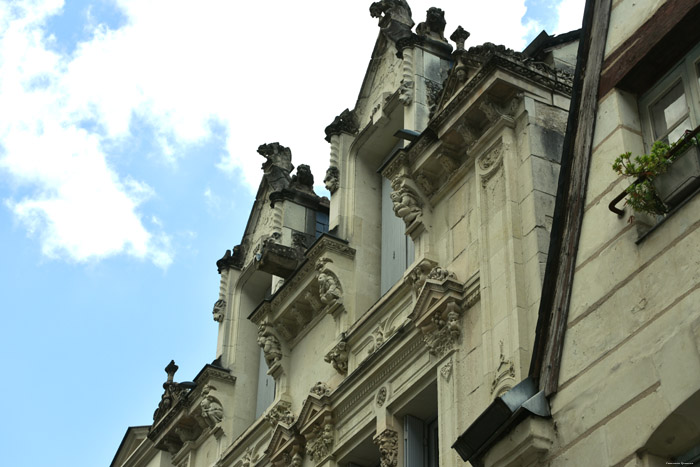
{"points": [[672, 106], [397, 247]]}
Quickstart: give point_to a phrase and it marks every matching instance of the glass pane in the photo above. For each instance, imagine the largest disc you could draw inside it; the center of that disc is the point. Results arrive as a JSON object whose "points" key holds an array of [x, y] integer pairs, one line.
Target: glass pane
{"points": [[669, 111], [675, 134]]}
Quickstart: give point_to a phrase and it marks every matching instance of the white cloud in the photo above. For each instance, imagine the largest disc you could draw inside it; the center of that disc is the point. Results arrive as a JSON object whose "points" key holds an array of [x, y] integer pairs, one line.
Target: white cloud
{"points": [[275, 73], [570, 15]]}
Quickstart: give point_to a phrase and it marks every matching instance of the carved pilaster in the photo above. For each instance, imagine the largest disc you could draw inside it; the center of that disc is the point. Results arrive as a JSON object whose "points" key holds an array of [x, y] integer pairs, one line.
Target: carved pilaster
{"points": [[388, 443], [406, 89]]}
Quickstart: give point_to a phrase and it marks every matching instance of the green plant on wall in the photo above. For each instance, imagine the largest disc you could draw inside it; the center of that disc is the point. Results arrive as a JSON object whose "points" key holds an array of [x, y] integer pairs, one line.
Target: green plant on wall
{"points": [[642, 196]]}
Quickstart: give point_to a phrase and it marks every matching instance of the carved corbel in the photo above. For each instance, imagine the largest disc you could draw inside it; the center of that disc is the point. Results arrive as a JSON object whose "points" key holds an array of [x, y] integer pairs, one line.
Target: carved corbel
{"points": [[388, 443], [444, 330], [211, 410], [407, 203], [272, 349], [330, 291], [320, 440], [338, 357]]}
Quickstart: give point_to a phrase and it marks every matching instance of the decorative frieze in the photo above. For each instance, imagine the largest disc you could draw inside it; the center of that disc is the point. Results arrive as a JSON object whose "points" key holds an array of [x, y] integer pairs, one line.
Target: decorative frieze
{"points": [[388, 443]]}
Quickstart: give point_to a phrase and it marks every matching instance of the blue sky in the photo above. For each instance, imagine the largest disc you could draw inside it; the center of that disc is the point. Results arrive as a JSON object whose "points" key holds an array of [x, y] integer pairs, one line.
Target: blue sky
{"points": [[128, 132]]}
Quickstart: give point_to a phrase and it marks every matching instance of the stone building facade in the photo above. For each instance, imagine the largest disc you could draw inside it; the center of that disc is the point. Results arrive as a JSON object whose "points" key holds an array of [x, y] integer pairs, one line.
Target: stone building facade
{"points": [[421, 316]]}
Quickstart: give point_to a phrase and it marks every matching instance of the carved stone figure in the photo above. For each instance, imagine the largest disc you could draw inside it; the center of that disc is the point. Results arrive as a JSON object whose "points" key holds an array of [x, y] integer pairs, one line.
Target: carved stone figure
{"points": [[395, 19], [388, 443], [320, 389], [329, 289], [270, 345], [212, 410], [444, 333], [407, 205], [303, 179], [419, 274], [280, 413], [434, 25], [338, 357], [346, 122], [277, 165], [320, 445], [440, 274], [332, 179], [219, 309], [297, 460]]}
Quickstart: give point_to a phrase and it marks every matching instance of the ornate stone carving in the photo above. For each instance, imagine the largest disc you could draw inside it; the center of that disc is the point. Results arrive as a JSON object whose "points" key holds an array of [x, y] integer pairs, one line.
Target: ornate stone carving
{"points": [[329, 289], [446, 370], [250, 457], [332, 179], [423, 180], [381, 396], [231, 260], [277, 165], [346, 122], [434, 25], [395, 19], [388, 443], [419, 274], [432, 90], [505, 370], [297, 460], [406, 92], [211, 409], [489, 164], [219, 310], [320, 442], [280, 413], [445, 330], [320, 389], [270, 345], [171, 394], [338, 357], [440, 274], [407, 203]]}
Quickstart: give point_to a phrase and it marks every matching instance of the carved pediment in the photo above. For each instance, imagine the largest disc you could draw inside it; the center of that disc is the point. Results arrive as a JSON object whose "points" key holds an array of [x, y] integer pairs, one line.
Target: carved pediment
{"points": [[315, 407], [286, 443]]}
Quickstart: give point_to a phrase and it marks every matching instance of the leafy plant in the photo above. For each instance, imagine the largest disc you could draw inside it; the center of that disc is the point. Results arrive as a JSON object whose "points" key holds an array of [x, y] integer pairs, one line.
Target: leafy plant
{"points": [[642, 196]]}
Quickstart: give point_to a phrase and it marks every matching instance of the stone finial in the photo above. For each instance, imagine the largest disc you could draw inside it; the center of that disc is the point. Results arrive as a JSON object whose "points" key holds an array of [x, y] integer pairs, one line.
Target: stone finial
{"points": [[346, 122], [395, 19], [171, 369], [459, 37], [434, 25]]}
